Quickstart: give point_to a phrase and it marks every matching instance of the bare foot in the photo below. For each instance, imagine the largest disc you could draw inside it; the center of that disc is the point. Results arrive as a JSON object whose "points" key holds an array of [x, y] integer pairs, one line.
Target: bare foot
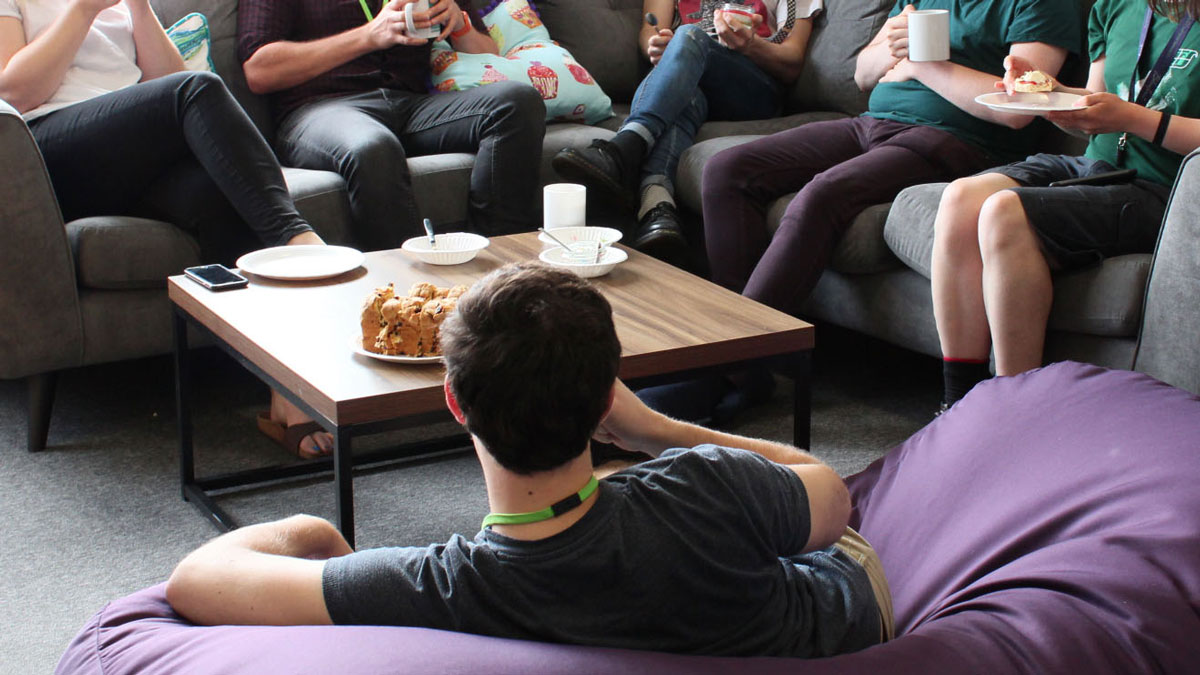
{"points": [[316, 444]]}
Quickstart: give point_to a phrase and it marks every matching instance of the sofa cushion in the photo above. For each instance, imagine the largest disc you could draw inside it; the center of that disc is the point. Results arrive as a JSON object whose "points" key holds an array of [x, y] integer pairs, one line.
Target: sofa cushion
{"points": [[839, 32], [527, 55], [320, 197], [602, 36], [191, 37], [117, 252], [1102, 300]]}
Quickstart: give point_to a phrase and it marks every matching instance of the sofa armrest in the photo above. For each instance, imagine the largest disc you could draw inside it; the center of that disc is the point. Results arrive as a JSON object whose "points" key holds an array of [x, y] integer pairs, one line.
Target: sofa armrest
{"points": [[40, 325], [1171, 319]]}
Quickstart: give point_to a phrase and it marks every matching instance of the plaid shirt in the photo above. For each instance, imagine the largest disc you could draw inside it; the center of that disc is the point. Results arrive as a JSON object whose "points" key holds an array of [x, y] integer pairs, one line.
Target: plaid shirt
{"points": [[261, 22]]}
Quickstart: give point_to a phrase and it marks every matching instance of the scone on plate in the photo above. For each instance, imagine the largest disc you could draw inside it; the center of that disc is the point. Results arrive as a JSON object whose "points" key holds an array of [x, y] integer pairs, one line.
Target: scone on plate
{"points": [[407, 325], [1034, 82]]}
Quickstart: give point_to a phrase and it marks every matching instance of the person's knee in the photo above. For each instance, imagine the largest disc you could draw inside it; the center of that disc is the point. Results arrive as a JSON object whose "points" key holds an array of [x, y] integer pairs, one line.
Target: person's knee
{"points": [[724, 171], [1003, 226], [958, 213], [518, 104], [199, 82], [375, 153]]}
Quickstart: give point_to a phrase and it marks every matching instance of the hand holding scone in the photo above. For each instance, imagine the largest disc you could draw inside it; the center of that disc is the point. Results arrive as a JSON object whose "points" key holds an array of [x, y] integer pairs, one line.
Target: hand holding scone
{"points": [[1020, 76]]}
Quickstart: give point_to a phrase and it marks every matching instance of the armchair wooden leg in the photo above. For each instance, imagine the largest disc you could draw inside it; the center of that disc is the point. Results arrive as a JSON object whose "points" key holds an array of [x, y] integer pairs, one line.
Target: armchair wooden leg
{"points": [[41, 402]]}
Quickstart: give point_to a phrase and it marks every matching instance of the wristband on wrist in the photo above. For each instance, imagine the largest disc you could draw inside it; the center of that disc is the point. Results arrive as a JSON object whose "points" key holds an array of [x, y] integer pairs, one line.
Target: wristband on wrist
{"points": [[467, 27], [1161, 133]]}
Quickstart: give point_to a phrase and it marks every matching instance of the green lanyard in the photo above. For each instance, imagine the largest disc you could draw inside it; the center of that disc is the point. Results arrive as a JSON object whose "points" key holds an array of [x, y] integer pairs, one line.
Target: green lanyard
{"points": [[366, 10], [556, 509]]}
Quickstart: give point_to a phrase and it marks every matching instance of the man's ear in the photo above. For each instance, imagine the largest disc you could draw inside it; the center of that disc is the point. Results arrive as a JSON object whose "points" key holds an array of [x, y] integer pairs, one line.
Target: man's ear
{"points": [[612, 396], [452, 403]]}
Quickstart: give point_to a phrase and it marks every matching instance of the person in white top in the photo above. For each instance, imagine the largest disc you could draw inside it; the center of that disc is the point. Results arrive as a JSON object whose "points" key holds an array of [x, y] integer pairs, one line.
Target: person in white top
{"points": [[711, 66], [119, 123]]}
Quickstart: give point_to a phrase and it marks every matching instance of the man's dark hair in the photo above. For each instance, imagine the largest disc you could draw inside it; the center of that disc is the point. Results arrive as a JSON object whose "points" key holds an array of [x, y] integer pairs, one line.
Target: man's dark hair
{"points": [[1175, 9], [531, 355]]}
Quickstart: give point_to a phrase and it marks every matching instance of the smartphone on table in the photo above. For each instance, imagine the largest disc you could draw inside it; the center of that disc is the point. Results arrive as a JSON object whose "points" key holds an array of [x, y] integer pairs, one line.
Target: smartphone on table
{"points": [[216, 277]]}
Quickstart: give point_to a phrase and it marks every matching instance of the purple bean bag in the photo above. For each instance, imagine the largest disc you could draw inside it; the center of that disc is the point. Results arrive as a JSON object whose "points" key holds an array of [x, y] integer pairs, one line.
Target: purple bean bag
{"points": [[1049, 523]]}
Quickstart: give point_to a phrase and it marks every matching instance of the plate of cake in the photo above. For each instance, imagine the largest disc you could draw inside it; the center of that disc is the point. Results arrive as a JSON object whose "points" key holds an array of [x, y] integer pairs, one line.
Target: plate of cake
{"points": [[405, 328]]}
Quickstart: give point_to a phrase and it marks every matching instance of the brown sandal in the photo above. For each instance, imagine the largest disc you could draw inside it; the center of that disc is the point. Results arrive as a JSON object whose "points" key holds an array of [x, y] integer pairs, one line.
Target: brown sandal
{"points": [[289, 437]]}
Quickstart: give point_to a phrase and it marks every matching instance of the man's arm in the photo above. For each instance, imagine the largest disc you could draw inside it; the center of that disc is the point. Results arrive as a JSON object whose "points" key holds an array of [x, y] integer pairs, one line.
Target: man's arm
{"points": [[267, 574], [631, 425], [883, 52], [782, 61], [960, 85], [284, 64]]}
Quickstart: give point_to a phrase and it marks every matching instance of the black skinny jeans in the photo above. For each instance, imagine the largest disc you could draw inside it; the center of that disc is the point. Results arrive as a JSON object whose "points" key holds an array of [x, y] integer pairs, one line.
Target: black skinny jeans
{"points": [[368, 138], [178, 148]]}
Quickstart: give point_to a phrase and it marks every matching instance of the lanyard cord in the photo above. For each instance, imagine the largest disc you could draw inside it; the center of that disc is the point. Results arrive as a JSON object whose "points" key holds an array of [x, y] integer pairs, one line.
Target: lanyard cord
{"points": [[1157, 71], [556, 509], [366, 10]]}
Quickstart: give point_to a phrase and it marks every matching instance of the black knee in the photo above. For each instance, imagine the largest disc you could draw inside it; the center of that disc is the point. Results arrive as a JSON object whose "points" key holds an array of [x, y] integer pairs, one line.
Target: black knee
{"points": [[517, 105]]}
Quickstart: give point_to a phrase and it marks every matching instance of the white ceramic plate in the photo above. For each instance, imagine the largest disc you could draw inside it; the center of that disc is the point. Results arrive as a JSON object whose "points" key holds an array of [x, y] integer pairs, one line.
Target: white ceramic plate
{"points": [[300, 263], [570, 235], [356, 345], [1030, 104]]}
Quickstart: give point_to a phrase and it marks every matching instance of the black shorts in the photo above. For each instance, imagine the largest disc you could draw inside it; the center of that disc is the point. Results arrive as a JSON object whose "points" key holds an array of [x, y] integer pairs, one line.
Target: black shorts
{"points": [[1080, 225]]}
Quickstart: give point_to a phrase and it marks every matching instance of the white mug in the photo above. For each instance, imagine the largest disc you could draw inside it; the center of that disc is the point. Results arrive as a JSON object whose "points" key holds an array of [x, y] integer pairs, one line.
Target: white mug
{"points": [[410, 26], [564, 205], [929, 35]]}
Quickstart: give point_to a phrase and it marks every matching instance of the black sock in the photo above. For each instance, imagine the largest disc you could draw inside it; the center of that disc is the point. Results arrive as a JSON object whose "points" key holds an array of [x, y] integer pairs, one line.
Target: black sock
{"points": [[960, 375], [631, 147]]}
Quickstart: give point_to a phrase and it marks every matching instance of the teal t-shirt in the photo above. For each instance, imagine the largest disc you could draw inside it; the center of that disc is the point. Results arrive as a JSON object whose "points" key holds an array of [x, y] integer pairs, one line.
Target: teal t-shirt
{"points": [[1113, 31], [981, 32]]}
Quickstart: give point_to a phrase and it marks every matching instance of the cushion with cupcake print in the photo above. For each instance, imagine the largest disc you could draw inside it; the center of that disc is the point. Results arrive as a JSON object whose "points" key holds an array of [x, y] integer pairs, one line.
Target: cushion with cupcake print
{"points": [[528, 55]]}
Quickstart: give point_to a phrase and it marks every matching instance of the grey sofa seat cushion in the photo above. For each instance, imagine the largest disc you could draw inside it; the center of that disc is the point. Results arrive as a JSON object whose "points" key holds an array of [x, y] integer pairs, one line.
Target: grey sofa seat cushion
{"points": [[120, 252], [1102, 300], [320, 197], [440, 184], [718, 129], [909, 228]]}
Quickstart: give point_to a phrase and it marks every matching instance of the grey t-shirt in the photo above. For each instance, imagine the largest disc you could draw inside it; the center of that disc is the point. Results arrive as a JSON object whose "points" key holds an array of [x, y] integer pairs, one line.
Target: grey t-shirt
{"points": [[695, 552]]}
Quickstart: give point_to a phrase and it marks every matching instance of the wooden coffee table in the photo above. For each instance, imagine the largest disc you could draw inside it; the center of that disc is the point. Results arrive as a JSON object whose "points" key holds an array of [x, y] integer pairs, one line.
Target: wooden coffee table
{"points": [[297, 336]]}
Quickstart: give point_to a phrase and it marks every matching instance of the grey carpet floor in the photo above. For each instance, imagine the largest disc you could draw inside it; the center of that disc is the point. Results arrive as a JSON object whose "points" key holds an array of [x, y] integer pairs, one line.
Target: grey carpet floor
{"points": [[98, 514]]}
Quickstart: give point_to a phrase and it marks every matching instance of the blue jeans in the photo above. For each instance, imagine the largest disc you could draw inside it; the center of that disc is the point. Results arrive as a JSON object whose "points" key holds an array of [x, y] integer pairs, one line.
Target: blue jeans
{"points": [[696, 80]]}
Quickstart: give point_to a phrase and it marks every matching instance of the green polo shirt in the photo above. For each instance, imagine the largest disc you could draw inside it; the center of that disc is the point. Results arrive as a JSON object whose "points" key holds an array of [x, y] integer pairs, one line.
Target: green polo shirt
{"points": [[981, 32], [1113, 31]]}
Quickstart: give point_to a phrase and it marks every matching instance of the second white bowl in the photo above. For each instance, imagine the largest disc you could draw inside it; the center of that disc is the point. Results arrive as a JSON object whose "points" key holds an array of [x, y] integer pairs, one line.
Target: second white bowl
{"points": [[453, 248]]}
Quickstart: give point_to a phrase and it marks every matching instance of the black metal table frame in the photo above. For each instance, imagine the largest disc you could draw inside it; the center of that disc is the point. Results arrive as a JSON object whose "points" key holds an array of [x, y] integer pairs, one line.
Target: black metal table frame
{"points": [[343, 461]]}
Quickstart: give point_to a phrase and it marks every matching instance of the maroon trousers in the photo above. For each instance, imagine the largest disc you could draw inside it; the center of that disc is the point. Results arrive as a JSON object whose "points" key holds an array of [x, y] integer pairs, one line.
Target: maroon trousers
{"points": [[840, 167]]}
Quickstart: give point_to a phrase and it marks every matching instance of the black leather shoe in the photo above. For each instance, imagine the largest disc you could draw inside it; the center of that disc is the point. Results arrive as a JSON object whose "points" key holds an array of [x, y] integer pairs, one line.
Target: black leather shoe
{"points": [[599, 167], [659, 234]]}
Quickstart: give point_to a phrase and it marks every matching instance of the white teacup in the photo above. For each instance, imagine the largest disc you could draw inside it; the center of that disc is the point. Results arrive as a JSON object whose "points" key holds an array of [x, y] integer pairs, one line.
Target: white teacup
{"points": [[410, 24], [929, 35], [564, 205]]}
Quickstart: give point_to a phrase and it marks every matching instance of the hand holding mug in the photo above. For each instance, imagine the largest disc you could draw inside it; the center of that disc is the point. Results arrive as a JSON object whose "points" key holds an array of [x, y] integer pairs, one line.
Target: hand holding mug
{"points": [[658, 44], [388, 29], [418, 18], [732, 31], [896, 33]]}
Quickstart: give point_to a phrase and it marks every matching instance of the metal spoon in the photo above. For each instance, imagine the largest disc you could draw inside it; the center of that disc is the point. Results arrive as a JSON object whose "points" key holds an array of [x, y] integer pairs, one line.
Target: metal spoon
{"points": [[651, 19], [429, 230], [556, 240]]}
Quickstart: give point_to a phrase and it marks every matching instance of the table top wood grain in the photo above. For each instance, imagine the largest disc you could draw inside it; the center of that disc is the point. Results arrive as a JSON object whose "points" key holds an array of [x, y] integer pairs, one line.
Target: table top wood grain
{"points": [[302, 333]]}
